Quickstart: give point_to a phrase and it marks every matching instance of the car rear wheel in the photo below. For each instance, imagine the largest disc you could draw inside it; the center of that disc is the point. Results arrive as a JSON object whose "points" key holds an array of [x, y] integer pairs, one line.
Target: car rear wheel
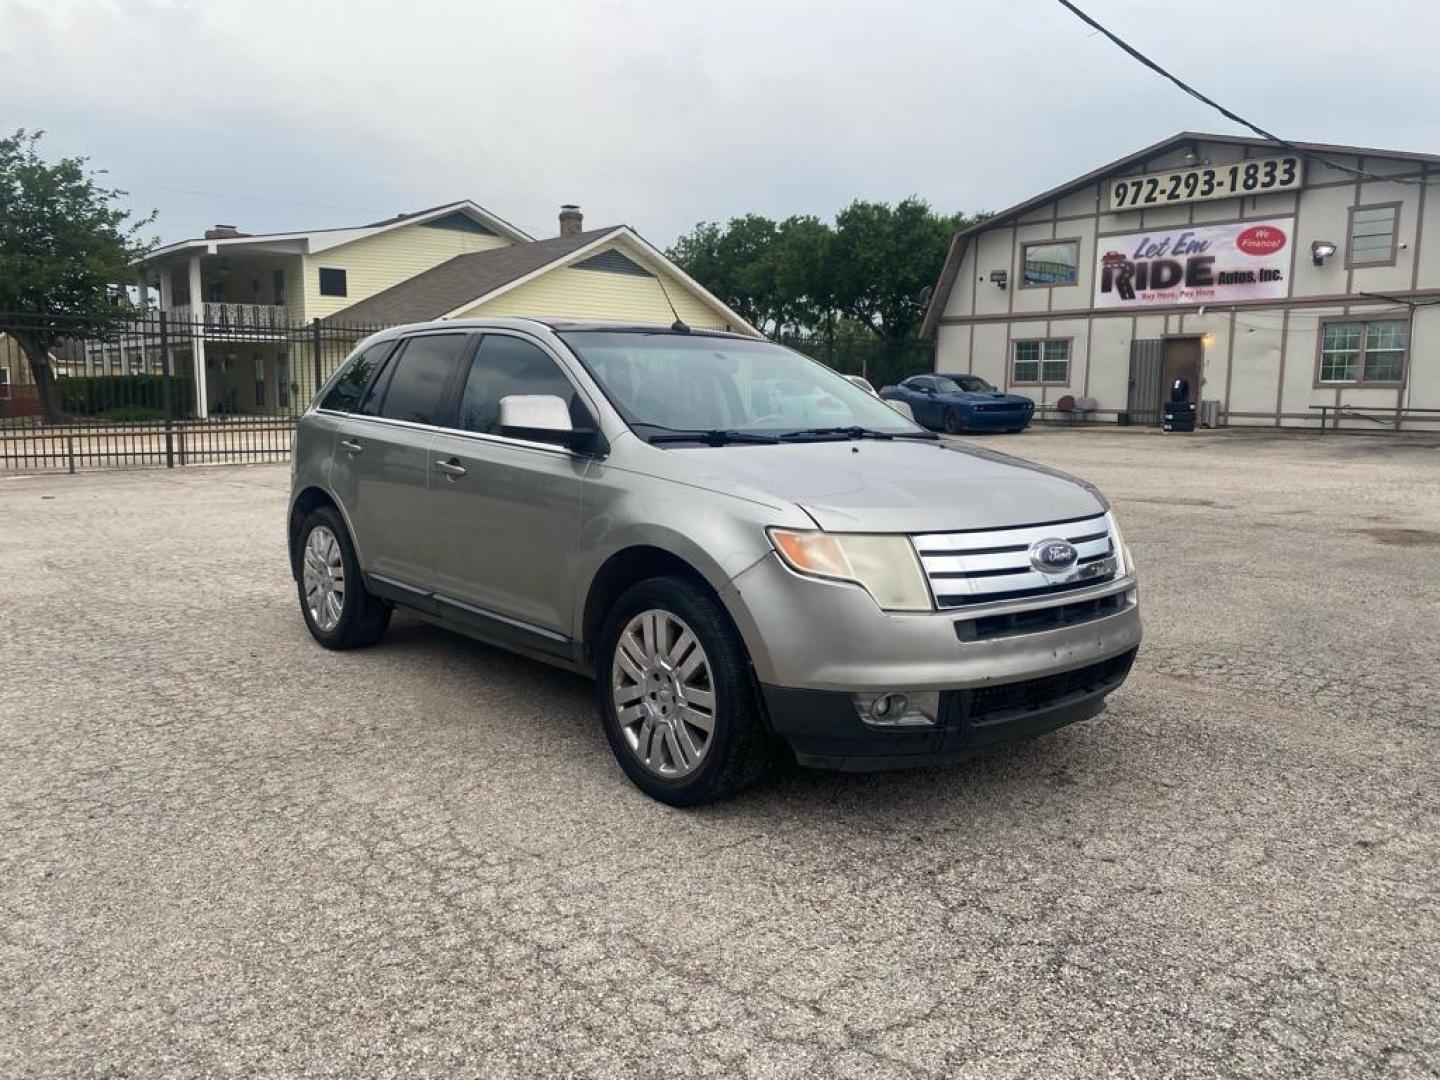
{"points": [[675, 695], [951, 419], [338, 609]]}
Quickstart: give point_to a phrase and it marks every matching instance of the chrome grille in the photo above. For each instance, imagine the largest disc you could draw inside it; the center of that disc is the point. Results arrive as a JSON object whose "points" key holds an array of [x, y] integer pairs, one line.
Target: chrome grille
{"points": [[989, 565]]}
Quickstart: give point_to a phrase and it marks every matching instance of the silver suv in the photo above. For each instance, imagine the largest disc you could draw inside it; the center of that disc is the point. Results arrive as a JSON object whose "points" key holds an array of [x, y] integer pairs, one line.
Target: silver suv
{"points": [[741, 546]]}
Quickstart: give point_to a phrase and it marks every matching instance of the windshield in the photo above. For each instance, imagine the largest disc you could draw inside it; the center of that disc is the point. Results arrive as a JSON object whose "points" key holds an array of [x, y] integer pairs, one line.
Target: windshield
{"points": [[970, 384], [696, 383]]}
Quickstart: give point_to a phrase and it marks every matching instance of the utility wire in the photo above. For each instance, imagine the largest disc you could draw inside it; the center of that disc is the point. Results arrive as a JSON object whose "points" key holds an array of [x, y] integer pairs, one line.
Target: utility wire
{"points": [[1130, 50]]}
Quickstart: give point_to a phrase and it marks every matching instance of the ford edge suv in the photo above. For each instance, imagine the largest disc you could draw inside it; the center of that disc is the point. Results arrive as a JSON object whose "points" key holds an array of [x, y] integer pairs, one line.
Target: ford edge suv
{"points": [[742, 547]]}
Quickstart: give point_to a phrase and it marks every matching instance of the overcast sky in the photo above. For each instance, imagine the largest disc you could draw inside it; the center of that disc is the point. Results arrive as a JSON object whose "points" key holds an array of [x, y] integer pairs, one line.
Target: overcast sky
{"points": [[661, 113]]}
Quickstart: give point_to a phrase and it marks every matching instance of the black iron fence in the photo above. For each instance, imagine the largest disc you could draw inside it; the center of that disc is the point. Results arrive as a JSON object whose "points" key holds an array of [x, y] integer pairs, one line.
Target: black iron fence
{"points": [[157, 391], [882, 363]]}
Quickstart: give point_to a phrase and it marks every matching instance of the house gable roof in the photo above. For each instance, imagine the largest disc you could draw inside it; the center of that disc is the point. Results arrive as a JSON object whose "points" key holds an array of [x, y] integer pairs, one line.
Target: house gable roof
{"points": [[460, 283], [316, 240], [961, 240]]}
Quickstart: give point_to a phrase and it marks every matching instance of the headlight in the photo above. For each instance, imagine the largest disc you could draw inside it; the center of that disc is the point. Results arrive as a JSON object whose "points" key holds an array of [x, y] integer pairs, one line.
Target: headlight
{"points": [[1122, 550], [886, 565]]}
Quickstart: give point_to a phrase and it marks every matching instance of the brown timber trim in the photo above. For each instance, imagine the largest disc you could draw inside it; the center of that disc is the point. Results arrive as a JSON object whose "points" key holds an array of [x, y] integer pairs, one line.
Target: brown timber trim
{"points": [[1334, 300]]}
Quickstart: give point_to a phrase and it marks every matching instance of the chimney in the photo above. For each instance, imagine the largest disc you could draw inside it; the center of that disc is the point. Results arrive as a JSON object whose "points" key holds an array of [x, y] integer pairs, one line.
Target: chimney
{"points": [[224, 232], [570, 219]]}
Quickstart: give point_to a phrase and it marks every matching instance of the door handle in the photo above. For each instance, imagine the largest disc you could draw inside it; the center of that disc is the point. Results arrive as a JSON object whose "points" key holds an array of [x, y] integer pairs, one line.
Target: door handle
{"points": [[452, 469], [351, 445]]}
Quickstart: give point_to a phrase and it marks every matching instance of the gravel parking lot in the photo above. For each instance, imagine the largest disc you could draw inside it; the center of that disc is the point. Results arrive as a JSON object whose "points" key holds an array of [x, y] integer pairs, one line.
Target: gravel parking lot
{"points": [[226, 852]]}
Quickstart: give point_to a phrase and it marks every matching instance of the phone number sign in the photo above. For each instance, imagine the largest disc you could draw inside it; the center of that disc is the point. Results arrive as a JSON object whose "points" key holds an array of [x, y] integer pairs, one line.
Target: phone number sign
{"points": [[1257, 176]]}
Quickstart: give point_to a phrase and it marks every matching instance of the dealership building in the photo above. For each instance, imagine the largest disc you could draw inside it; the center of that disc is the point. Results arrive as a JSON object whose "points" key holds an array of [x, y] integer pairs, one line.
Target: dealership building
{"points": [[1273, 279]]}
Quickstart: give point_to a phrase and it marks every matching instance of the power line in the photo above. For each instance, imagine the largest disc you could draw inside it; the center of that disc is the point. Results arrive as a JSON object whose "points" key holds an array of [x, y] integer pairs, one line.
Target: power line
{"points": [[1223, 111], [254, 198]]}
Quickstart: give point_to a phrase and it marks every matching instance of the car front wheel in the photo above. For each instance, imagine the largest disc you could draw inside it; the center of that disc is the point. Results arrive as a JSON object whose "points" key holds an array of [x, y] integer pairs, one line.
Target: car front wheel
{"points": [[675, 695]]}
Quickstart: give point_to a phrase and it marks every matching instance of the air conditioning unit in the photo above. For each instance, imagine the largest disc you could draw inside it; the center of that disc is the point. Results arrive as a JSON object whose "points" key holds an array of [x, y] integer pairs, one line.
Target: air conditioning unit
{"points": [[1210, 414]]}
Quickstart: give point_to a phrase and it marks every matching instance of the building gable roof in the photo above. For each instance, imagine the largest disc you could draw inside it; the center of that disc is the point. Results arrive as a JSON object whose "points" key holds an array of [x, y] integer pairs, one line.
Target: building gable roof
{"points": [[460, 283], [940, 297], [316, 240]]}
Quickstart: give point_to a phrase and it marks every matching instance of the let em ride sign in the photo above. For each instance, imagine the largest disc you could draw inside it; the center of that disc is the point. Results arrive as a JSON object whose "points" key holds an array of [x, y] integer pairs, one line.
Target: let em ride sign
{"points": [[1194, 264]]}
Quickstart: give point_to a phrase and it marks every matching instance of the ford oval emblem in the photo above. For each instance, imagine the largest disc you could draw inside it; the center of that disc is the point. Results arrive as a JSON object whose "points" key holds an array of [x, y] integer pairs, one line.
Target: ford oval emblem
{"points": [[1053, 556]]}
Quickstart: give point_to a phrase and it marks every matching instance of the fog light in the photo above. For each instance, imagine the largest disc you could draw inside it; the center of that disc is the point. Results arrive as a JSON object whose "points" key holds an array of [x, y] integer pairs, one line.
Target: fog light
{"points": [[896, 708]]}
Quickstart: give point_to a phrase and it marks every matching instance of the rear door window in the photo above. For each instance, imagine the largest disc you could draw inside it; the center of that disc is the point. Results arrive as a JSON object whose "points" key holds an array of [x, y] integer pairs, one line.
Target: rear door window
{"points": [[344, 396], [420, 376]]}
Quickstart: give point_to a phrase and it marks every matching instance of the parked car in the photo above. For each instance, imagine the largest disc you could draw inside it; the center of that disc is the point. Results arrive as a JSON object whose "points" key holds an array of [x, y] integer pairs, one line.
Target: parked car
{"points": [[899, 406], [613, 500], [956, 403]]}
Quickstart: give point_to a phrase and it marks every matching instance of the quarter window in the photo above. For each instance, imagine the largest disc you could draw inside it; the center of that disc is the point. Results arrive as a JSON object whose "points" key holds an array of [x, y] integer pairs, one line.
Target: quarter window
{"points": [[421, 375], [344, 396], [1372, 235], [1050, 263], [1363, 352], [1042, 362], [332, 282], [506, 366]]}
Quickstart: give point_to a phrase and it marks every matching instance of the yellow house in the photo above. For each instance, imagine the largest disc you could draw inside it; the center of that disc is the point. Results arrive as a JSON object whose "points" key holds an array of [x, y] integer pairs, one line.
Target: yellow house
{"points": [[241, 309]]}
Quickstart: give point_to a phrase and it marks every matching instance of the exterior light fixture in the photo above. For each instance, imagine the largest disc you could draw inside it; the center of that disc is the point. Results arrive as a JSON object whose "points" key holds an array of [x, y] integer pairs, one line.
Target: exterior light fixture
{"points": [[1001, 278], [1320, 250]]}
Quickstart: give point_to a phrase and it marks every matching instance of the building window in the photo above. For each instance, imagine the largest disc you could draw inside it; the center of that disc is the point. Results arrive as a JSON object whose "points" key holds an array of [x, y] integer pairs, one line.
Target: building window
{"points": [[4, 384], [1362, 352], [1372, 235], [332, 282], [1053, 262], [1042, 363]]}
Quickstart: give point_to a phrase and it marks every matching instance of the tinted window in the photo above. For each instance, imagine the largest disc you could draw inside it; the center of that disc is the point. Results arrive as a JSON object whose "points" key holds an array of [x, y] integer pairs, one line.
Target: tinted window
{"points": [[422, 372], [945, 386], [504, 366], [332, 282], [918, 383], [344, 396]]}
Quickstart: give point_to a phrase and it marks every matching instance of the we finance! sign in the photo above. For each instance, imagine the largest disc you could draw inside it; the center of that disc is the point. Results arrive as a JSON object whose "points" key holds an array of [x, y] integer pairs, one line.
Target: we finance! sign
{"points": [[1194, 264]]}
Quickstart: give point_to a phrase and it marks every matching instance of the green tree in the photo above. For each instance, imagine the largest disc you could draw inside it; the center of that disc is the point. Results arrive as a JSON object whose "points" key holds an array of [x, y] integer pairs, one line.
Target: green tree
{"points": [[804, 276], [885, 257], [64, 248]]}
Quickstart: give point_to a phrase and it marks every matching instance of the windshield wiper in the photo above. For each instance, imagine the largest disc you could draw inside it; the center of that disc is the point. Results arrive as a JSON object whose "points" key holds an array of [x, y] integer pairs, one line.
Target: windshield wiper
{"points": [[854, 432], [710, 436]]}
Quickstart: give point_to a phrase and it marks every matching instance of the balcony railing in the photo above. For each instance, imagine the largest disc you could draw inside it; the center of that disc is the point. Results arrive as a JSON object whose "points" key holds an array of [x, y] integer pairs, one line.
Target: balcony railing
{"points": [[233, 318]]}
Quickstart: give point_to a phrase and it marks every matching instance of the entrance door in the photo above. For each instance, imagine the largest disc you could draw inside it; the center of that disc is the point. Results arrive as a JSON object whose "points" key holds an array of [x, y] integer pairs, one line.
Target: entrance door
{"points": [[1147, 360], [1182, 361]]}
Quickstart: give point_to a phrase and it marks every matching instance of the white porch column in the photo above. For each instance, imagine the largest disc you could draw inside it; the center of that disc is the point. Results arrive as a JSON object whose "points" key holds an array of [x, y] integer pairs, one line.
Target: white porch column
{"points": [[197, 339]]}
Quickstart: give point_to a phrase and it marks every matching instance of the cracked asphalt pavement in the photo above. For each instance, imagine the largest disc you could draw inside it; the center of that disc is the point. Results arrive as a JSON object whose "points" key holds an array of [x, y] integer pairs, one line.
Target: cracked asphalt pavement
{"points": [[227, 852]]}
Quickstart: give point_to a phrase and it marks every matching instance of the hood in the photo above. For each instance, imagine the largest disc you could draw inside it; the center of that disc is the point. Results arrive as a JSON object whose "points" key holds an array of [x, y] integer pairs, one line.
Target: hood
{"points": [[972, 397], [900, 486]]}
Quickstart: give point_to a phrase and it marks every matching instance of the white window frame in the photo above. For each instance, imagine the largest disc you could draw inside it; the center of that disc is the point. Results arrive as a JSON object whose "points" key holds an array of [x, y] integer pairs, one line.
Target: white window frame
{"points": [[1041, 360], [1360, 352]]}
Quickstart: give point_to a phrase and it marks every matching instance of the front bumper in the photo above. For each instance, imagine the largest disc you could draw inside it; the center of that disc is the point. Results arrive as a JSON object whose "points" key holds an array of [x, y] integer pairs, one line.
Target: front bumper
{"points": [[825, 731], [995, 421], [814, 643]]}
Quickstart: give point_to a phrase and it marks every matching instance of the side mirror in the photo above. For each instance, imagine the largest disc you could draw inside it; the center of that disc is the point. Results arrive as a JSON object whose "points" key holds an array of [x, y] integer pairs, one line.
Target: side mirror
{"points": [[903, 408], [542, 418]]}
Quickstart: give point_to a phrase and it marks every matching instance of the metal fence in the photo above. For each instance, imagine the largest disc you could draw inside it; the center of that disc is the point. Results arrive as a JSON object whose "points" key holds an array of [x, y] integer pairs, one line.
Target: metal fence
{"points": [[129, 397], [882, 363]]}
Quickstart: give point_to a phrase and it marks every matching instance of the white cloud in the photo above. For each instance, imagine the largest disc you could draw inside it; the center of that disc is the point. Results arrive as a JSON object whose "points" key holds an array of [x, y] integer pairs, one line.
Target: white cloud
{"points": [[667, 112]]}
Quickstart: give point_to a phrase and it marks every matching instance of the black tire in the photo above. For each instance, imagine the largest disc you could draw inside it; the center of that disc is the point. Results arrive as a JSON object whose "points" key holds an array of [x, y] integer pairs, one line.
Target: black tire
{"points": [[951, 420], [363, 618], [741, 749]]}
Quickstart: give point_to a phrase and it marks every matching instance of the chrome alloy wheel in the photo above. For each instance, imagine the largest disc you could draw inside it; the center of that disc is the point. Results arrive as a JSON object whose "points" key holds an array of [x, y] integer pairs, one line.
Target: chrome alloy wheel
{"points": [[664, 694], [324, 579]]}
